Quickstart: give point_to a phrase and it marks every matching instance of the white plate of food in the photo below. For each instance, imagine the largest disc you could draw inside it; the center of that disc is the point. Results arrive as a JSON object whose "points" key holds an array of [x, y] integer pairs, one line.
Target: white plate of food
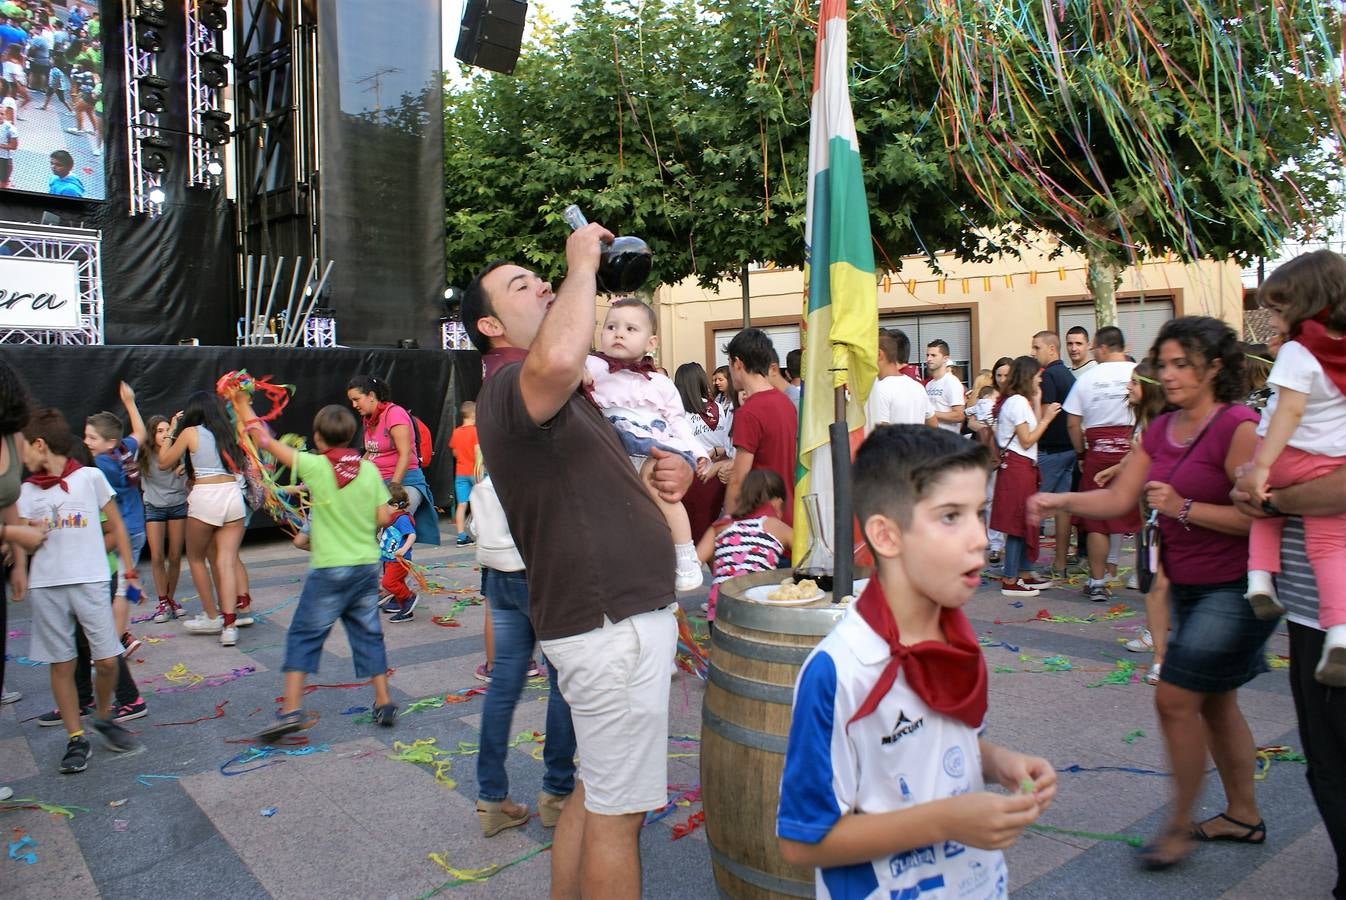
{"points": [[787, 593]]}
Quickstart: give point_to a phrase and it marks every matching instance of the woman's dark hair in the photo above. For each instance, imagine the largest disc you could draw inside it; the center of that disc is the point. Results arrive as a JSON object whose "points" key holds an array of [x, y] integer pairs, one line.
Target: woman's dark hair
{"points": [[15, 403], [1152, 403], [760, 486], [148, 454], [207, 410], [731, 395], [371, 384], [1020, 382], [1002, 361], [1207, 340], [1309, 285], [693, 387]]}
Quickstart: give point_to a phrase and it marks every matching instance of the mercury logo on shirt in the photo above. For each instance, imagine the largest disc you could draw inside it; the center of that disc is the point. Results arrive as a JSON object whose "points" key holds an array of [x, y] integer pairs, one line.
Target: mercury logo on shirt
{"points": [[903, 728]]}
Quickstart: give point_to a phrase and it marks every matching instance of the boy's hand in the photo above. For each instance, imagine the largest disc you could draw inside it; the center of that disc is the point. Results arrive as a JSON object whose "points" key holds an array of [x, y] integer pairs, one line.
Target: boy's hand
{"points": [[127, 394], [18, 583], [25, 536], [989, 821], [1018, 771]]}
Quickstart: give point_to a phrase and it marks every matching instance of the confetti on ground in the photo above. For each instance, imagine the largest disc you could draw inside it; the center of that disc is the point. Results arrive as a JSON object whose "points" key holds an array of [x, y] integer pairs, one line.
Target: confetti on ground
{"points": [[219, 714], [1131, 738], [1090, 835], [424, 752], [1123, 673], [460, 877], [148, 780], [268, 811], [17, 847], [121, 825], [253, 754], [29, 803], [115, 803]]}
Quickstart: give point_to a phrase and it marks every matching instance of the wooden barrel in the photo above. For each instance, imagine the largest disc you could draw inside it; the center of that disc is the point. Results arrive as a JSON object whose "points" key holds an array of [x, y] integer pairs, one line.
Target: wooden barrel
{"points": [[756, 652]]}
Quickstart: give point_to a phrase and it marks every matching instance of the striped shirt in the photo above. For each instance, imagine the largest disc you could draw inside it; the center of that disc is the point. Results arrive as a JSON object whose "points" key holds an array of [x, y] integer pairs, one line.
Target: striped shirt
{"points": [[744, 547], [1296, 586]]}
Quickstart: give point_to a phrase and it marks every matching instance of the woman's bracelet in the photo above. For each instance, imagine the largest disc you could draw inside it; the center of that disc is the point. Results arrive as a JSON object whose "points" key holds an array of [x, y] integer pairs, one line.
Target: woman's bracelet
{"points": [[1184, 513]]}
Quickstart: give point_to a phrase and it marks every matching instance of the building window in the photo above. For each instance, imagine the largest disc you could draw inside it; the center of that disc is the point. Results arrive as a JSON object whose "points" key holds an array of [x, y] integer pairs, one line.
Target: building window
{"points": [[1139, 319], [955, 328], [783, 337]]}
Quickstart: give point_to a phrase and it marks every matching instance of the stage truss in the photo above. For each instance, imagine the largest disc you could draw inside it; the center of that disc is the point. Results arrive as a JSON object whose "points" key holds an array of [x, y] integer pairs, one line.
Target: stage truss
{"points": [[77, 245], [141, 124], [202, 99]]}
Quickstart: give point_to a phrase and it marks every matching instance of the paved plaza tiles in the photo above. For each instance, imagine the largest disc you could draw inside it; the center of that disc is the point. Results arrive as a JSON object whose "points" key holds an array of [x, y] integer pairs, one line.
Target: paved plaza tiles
{"points": [[196, 814]]}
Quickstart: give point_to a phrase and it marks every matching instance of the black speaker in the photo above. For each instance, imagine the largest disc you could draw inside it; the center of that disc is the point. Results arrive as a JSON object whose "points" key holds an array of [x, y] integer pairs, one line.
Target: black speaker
{"points": [[491, 34]]}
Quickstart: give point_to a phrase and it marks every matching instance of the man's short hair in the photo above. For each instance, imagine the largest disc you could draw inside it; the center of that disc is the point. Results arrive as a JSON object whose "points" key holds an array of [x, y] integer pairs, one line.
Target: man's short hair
{"points": [[49, 425], [1111, 337], [1050, 338], [63, 159], [939, 344], [794, 363], [335, 424], [468, 408], [108, 426], [754, 350], [895, 344], [476, 306], [1080, 330], [897, 465]]}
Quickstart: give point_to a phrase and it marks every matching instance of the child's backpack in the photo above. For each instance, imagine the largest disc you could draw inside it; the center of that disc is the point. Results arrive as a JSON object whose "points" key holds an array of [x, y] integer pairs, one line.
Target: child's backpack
{"points": [[423, 441]]}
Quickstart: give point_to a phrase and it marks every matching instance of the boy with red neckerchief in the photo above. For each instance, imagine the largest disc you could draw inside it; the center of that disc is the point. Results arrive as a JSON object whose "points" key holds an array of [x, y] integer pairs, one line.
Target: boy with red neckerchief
{"points": [[889, 708]]}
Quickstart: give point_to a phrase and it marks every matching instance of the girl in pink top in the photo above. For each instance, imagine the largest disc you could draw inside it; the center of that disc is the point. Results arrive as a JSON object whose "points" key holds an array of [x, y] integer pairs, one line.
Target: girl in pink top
{"points": [[753, 538]]}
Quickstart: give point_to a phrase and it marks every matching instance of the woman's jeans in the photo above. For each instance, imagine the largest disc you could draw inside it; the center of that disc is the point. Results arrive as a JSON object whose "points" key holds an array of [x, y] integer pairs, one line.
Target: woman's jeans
{"points": [[507, 593], [1016, 553]]}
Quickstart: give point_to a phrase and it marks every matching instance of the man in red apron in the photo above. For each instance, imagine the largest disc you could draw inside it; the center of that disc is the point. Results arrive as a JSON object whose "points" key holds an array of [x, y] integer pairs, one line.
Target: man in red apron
{"points": [[1100, 423]]}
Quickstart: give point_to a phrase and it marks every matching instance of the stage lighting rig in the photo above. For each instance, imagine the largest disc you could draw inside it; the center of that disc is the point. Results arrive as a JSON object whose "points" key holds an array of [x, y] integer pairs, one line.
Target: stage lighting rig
{"points": [[215, 127], [147, 97], [150, 39], [152, 12], [207, 74], [154, 153], [153, 93], [215, 69], [214, 14]]}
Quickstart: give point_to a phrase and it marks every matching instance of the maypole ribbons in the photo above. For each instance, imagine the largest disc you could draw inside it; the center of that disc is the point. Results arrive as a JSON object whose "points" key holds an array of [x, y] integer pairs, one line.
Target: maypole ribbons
{"points": [[841, 306], [239, 389]]}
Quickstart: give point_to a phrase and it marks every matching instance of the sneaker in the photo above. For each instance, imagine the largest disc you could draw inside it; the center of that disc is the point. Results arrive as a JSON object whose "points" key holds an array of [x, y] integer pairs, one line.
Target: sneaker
{"points": [[687, 578], [533, 669], [464, 539], [1133, 582], [389, 605], [385, 716], [1142, 644], [549, 808], [993, 558], [495, 817], [117, 738], [164, 611], [483, 673], [404, 613], [1098, 593], [53, 717], [204, 625], [77, 753], [130, 643], [286, 723], [128, 711], [178, 611], [1262, 596], [10, 697], [1017, 589], [1037, 580], [1331, 669], [6, 792], [229, 636]]}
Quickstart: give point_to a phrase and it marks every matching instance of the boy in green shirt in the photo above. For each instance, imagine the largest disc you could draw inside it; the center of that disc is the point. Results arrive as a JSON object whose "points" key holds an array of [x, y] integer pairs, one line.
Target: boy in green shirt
{"points": [[349, 503]]}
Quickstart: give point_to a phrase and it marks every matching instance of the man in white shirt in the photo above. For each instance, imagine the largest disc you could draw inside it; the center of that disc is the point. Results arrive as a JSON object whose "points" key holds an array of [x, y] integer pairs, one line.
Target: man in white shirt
{"points": [[1100, 424], [943, 387], [896, 398], [1077, 348]]}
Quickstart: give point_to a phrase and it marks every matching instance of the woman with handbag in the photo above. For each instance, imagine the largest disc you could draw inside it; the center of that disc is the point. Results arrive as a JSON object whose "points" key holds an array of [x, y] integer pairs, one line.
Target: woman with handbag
{"points": [[1184, 468], [1021, 420]]}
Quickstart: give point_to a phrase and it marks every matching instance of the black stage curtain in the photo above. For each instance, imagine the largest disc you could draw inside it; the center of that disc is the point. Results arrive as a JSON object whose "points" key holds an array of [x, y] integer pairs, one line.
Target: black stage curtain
{"points": [[381, 123], [80, 381]]}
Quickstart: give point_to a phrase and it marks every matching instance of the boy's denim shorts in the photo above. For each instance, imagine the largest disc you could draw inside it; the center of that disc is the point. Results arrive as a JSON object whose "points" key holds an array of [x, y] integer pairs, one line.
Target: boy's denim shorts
{"points": [[348, 593]]}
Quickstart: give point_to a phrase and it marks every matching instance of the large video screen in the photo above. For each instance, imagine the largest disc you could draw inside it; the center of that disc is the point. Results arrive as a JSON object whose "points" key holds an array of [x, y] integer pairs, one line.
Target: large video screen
{"points": [[51, 98]]}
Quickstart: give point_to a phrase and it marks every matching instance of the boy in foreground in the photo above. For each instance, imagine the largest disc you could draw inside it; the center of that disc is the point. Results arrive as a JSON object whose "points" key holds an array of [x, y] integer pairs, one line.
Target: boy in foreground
{"points": [[885, 772], [349, 505]]}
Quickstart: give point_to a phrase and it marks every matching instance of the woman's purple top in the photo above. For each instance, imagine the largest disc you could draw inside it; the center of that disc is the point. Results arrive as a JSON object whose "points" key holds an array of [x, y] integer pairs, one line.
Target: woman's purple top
{"points": [[1199, 556]]}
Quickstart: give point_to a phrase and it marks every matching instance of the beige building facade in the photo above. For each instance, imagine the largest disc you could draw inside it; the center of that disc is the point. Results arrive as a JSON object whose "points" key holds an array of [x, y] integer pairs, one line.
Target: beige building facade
{"points": [[983, 310]]}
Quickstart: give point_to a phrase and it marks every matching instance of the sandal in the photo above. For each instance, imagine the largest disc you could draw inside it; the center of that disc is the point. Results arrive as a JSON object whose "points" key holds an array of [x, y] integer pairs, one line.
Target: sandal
{"points": [[1152, 676], [1252, 834], [495, 816], [1151, 860]]}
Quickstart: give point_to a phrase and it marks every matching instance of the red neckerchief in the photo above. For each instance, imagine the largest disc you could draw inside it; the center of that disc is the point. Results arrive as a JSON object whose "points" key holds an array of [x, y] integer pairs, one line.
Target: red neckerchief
{"points": [[914, 373], [499, 357], [372, 422], [711, 415], [345, 464], [1329, 351], [645, 365], [949, 678], [766, 509], [45, 481]]}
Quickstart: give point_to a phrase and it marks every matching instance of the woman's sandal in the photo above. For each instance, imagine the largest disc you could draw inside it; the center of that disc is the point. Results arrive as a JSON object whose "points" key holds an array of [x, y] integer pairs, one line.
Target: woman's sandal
{"points": [[1252, 834], [1152, 860]]}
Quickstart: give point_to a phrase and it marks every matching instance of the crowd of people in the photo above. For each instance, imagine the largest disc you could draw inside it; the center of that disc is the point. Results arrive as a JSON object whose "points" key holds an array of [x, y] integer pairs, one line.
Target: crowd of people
{"points": [[572, 453]]}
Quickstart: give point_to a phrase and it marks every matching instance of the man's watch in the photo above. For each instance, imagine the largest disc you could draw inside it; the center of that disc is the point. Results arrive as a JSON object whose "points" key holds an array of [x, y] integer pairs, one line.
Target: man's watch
{"points": [[1270, 508]]}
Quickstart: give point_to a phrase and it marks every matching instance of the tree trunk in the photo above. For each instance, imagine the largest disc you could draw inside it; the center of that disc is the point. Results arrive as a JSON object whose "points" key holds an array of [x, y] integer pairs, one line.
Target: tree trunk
{"points": [[1103, 277]]}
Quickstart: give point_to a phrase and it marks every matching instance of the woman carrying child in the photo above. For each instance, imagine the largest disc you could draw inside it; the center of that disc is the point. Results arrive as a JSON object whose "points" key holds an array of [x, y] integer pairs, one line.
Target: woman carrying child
{"points": [[752, 538], [1021, 421]]}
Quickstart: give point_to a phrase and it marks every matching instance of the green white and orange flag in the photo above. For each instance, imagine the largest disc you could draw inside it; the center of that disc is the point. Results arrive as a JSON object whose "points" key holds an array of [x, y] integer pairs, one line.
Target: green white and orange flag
{"points": [[841, 316]]}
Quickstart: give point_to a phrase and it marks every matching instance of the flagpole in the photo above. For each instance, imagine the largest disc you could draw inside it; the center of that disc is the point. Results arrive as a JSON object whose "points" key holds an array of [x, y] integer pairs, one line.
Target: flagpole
{"points": [[843, 551]]}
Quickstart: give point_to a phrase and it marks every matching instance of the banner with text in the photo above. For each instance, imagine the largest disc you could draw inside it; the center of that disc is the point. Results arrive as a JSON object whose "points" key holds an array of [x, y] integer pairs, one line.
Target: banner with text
{"points": [[39, 293]]}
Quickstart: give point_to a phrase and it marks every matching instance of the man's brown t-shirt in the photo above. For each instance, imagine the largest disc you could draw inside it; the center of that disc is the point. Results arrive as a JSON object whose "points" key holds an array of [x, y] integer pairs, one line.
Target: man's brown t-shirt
{"points": [[593, 541]]}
